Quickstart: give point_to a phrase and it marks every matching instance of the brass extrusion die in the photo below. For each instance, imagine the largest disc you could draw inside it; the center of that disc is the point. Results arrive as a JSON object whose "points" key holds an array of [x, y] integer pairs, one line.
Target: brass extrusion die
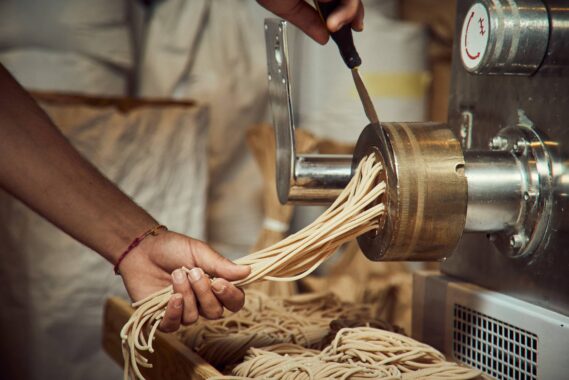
{"points": [[426, 196]]}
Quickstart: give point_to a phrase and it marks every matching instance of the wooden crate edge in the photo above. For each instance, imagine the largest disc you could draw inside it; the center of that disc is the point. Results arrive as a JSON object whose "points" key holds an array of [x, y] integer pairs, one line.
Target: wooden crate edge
{"points": [[171, 360]]}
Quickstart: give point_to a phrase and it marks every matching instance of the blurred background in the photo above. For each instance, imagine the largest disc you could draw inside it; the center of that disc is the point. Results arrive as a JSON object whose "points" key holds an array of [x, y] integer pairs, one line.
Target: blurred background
{"points": [[169, 99]]}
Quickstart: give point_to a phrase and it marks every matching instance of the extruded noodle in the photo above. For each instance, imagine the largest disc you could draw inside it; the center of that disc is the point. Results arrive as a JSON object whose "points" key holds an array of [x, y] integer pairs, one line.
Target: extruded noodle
{"points": [[353, 213]]}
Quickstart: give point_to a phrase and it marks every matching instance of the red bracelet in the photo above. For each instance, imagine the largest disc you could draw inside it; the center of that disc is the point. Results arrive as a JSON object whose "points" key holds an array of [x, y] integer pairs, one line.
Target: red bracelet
{"points": [[153, 231]]}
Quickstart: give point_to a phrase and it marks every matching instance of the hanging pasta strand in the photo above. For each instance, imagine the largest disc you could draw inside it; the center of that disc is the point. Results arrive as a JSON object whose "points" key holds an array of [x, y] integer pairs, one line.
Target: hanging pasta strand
{"points": [[354, 213]]}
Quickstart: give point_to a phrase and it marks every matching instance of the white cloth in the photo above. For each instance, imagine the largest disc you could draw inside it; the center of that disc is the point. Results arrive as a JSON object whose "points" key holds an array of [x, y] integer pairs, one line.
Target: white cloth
{"points": [[82, 46], [52, 289], [48, 70], [213, 51]]}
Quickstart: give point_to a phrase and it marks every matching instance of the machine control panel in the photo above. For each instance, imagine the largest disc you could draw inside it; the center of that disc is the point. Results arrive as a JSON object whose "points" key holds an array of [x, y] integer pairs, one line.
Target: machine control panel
{"points": [[504, 37]]}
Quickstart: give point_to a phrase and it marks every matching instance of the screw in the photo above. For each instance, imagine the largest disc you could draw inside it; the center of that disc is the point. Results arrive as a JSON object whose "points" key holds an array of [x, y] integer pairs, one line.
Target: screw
{"points": [[517, 241], [519, 146], [498, 143]]}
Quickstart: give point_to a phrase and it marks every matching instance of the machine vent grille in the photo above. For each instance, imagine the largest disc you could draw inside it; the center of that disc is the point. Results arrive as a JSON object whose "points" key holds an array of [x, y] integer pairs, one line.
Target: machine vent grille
{"points": [[499, 349]]}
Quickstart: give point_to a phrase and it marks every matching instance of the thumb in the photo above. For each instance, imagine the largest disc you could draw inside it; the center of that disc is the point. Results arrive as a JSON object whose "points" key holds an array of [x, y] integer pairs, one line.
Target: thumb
{"points": [[215, 264]]}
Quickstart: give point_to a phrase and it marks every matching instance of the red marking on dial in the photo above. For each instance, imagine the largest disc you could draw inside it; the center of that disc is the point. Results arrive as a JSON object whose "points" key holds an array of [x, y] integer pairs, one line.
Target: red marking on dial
{"points": [[475, 56]]}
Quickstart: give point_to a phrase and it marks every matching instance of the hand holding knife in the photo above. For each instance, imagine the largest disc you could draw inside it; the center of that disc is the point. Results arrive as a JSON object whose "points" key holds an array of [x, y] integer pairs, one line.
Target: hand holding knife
{"points": [[345, 41]]}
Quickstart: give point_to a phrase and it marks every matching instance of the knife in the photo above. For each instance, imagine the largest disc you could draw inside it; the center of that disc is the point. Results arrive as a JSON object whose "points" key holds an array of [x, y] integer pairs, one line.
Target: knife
{"points": [[345, 41]]}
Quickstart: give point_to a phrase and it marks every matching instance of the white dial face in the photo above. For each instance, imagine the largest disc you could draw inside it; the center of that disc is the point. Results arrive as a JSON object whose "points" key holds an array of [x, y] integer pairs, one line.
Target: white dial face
{"points": [[474, 36]]}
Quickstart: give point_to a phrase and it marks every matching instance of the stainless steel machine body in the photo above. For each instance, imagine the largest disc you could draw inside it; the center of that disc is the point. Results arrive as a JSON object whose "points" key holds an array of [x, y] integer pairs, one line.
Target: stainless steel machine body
{"points": [[506, 180], [512, 113], [493, 204]]}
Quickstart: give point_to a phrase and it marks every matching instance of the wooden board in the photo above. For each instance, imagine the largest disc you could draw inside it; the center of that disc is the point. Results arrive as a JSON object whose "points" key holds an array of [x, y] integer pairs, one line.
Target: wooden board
{"points": [[171, 359]]}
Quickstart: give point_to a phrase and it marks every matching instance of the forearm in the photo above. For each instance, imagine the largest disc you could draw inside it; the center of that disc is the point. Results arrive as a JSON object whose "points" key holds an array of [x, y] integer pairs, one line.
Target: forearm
{"points": [[41, 168]]}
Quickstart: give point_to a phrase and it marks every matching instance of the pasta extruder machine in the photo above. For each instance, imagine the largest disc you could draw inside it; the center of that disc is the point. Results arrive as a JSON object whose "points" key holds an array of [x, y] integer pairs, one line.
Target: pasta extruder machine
{"points": [[487, 193]]}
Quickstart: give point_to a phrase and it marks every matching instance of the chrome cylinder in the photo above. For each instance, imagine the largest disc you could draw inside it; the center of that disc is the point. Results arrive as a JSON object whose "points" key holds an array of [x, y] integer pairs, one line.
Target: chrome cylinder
{"points": [[496, 186], [319, 178], [510, 37]]}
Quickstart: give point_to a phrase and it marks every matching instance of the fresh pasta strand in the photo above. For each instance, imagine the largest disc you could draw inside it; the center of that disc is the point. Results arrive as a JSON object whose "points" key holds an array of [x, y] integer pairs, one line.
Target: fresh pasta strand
{"points": [[354, 213]]}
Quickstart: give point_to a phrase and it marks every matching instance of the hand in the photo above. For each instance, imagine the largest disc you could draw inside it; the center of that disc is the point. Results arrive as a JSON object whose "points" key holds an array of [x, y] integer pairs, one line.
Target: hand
{"points": [[155, 264], [303, 15]]}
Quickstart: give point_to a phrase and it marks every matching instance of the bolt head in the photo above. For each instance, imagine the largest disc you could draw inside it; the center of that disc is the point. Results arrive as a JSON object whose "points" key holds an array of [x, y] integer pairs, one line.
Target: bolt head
{"points": [[519, 146], [498, 143], [517, 241]]}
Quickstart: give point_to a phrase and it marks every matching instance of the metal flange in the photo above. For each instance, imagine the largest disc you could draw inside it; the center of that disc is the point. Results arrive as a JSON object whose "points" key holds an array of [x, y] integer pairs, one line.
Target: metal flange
{"points": [[536, 192]]}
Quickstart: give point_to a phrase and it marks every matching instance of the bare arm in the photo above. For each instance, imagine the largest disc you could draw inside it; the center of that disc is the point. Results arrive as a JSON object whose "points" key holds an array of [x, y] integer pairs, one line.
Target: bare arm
{"points": [[41, 168]]}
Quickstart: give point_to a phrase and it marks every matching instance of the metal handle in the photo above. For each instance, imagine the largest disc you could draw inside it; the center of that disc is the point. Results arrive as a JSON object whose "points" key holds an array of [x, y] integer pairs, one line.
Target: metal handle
{"points": [[304, 178]]}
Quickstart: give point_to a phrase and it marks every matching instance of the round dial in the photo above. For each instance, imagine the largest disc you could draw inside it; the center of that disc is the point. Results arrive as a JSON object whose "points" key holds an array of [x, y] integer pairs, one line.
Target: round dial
{"points": [[474, 36], [505, 37]]}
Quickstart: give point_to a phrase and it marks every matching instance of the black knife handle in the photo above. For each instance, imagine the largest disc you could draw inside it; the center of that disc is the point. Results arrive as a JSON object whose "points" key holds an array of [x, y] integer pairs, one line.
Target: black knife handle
{"points": [[343, 37]]}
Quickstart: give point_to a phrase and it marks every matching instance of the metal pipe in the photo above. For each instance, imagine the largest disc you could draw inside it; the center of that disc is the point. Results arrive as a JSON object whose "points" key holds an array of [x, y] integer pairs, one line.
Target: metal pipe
{"points": [[326, 169], [496, 185], [319, 178]]}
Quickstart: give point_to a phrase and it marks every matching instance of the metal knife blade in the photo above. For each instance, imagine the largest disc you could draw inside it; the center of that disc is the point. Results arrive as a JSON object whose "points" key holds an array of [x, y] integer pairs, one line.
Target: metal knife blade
{"points": [[369, 109], [345, 41]]}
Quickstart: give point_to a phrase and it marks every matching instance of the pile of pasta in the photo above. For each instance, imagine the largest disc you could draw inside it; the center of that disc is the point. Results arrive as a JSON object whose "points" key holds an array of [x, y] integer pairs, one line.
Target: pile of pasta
{"points": [[303, 320], [355, 353], [355, 212], [314, 336]]}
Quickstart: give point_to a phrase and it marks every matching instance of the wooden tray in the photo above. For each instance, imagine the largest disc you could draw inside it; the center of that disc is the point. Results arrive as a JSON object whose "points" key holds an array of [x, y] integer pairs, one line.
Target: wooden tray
{"points": [[171, 359]]}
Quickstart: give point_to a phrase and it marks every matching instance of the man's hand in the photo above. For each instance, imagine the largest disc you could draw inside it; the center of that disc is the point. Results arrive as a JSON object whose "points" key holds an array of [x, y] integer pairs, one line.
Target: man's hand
{"points": [[155, 264], [303, 15]]}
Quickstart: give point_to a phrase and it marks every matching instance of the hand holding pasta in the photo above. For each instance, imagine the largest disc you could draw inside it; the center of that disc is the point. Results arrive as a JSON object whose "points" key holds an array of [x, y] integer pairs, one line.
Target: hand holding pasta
{"points": [[354, 213], [155, 264]]}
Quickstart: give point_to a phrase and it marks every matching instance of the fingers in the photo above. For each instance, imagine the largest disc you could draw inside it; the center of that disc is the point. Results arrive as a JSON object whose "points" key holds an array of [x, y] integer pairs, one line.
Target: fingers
{"points": [[196, 288], [358, 23], [182, 286], [228, 294], [210, 307], [301, 14], [216, 265], [173, 315], [346, 13]]}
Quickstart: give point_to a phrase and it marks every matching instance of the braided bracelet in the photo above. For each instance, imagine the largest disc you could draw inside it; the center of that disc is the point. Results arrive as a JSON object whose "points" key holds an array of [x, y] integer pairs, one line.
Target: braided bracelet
{"points": [[153, 231]]}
